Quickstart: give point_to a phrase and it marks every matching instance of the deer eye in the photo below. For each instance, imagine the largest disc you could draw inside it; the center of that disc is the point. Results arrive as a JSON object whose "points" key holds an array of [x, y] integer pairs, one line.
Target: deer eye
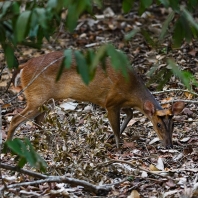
{"points": [[170, 116], [158, 125]]}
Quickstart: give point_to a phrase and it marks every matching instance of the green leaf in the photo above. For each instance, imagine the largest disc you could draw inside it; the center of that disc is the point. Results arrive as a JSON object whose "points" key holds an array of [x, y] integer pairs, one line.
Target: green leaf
{"points": [[82, 6], [98, 3], [90, 56], [178, 34], [56, 6], [141, 9], [66, 63], [52, 3], [166, 3], [182, 31], [5, 6], [16, 146], [34, 25], [60, 71], [2, 33], [15, 8], [34, 32], [10, 57], [66, 3], [148, 38], [29, 153], [158, 2], [22, 162], [101, 53], [164, 75], [71, 20], [22, 25], [8, 29], [190, 18], [194, 32], [127, 5], [166, 24], [186, 77], [146, 3], [68, 58], [131, 34], [118, 60], [186, 29], [175, 5], [193, 2], [26, 153], [82, 67], [42, 16]]}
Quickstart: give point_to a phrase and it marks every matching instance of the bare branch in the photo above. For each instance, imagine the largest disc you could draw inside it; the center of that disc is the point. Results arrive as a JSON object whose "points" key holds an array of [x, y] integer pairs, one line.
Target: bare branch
{"points": [[21, 170], [173, 90], [178, 100], [99, 190]]}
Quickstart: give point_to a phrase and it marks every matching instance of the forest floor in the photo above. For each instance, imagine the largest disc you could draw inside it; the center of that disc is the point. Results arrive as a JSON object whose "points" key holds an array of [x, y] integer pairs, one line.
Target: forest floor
{"points": [[75, 138]]}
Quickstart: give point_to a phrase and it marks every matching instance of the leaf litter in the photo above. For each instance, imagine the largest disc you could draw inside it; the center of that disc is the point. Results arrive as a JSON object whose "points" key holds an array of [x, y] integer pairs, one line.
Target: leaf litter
{"points": [[75, 138]]}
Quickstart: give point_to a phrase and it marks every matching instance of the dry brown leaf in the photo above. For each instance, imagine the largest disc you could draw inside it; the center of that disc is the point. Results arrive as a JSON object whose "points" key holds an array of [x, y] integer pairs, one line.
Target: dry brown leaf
{"points": [[188, 150], [187, 111], [134, 194], [193, 52], [166, 106], [1, 101], [188, 95], [128, 145], [132, 122], [4, 135], [170, 183], [153, 168]]}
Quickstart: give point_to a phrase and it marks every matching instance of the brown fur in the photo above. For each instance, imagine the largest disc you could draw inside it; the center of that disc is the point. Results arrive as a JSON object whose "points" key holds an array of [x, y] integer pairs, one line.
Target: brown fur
{"points": [[108, 89]]}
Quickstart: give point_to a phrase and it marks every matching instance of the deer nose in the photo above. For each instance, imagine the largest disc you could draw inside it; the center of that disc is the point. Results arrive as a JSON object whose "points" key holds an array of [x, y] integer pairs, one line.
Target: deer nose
{"points": [[169, 146]]}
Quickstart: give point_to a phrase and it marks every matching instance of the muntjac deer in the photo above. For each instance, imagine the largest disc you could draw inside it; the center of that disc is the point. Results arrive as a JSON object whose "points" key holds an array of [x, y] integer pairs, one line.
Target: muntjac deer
{"points": [[108, 89]]}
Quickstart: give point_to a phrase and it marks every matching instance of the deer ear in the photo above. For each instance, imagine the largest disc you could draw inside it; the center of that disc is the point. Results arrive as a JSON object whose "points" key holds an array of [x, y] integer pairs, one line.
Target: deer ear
{"points": [[149, 108], [177, 107]]}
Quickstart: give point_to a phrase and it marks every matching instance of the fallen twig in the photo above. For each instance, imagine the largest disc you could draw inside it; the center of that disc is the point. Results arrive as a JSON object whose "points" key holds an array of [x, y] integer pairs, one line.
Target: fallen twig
{"points": [[182, 90], [99, 190], [142, 169], [148, 171], [21, 170], [179, 100], [173, 90]]}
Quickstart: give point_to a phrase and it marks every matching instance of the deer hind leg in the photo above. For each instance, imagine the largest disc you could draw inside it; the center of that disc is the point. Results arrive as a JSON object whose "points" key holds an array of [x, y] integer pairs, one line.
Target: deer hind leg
{"points": [[39, 119], [25, 115], [129, 113]]}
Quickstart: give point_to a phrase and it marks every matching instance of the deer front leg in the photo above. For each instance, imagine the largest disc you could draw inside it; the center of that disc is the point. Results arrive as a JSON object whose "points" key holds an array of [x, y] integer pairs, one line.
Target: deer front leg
{"points": [[26, 114], [114, 119], [129, 113]]}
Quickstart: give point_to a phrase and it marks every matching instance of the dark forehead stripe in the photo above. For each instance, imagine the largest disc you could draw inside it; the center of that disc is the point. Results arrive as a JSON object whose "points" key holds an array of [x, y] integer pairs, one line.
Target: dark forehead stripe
{"points": [[167, 122]]}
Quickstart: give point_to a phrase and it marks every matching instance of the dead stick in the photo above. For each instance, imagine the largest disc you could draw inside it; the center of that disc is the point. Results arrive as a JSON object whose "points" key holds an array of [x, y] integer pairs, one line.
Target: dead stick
{"points": [[21, 170], [173, 90], [99, 190]]}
